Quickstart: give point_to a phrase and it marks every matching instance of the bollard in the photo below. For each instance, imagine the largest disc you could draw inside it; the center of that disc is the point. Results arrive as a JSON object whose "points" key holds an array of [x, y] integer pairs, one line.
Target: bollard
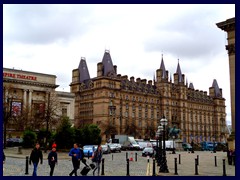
{"points": [[198, 160], [128, 167], [20, 150], [102, 166], [112, 157], [126, 156], [135, 156], [179, 160], [175, 160], [196, 167], [88, 153], [215, 158], [154, 171], [26, 170], [224, 168]]}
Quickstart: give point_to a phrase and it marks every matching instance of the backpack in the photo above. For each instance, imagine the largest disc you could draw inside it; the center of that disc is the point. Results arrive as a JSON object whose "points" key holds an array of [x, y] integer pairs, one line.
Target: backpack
{"points": [[94, 159]]}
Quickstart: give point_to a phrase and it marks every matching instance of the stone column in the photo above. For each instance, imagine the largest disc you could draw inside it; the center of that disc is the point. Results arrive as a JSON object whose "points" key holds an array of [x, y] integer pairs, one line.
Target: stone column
{"points": [[30, 100], [24, 98], [6, 95]]}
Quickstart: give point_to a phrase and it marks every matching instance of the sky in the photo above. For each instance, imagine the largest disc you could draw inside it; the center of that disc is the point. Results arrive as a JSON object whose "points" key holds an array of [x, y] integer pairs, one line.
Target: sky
{"points": [[51, 39]]}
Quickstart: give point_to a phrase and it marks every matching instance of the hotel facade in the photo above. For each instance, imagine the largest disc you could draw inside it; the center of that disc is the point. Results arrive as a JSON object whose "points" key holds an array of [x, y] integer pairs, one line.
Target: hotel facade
{"points": [[134, 106]]}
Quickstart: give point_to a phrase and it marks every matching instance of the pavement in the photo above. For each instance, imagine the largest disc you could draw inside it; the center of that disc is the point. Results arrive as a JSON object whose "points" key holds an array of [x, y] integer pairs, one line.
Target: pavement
{"points": [[115, 164]]}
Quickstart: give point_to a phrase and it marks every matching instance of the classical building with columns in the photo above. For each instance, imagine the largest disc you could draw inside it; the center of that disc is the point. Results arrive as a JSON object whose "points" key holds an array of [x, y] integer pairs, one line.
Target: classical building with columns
{"points": [[229, 27], [28, 95], [134, 106]]}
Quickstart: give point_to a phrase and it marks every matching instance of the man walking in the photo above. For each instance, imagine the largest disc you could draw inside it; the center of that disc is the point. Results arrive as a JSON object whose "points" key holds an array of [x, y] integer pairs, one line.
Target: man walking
{"points": [[35, 156], [52, 160], [76, 157]]}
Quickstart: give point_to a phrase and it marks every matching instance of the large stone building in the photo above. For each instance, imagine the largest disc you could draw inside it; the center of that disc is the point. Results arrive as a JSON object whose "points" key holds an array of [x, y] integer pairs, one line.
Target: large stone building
{"points": [[229, 27], [28, 95], [120, 105]]}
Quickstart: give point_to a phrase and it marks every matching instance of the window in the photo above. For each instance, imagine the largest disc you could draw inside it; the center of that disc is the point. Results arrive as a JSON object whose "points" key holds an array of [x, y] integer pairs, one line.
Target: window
{"points": [[64, 111]]}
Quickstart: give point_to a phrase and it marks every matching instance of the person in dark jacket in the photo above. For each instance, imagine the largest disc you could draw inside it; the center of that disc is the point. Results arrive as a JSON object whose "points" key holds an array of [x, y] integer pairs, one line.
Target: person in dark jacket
{"points": [[76, 157], [52, 160], [97, 158], [35, 156]]}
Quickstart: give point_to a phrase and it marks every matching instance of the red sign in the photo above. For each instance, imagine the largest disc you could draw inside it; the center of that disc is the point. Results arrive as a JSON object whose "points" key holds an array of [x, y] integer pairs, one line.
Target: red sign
{"points": [[19, 76]]}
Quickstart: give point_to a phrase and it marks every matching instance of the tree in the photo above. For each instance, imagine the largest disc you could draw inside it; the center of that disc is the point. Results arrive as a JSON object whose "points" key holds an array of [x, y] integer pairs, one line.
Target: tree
{"points": [[65, 135], [29, 138]]}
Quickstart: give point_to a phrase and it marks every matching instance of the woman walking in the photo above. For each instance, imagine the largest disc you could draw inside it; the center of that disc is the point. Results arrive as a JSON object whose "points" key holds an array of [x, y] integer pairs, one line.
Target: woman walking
{"points": [[52, 160], [97, 158]]}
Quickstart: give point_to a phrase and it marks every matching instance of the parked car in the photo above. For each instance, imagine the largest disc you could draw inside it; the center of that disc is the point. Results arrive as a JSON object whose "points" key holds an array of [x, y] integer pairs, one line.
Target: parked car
{"points": [[10, 142], [106, 149], [118, 147], [148, 151], [89, 149], [144, 144], [186, 147], [115, 148]]}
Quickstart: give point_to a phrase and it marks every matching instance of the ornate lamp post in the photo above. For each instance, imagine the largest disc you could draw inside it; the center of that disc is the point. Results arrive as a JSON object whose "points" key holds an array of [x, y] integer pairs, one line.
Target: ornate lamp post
{"points": [[173, 150], [157, 147], [160, 129], [164, 167]]}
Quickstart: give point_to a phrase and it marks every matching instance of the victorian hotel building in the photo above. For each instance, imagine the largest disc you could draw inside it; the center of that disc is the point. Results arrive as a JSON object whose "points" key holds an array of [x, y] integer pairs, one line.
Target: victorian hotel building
{"points": [[122, 105], [28, 95]]}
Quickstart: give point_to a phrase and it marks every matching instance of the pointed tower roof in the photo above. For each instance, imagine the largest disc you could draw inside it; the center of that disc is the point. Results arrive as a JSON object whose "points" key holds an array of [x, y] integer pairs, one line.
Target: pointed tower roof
{"points": [[191, 86], [170, 77], [216, 88], [107, 64], [179, 72], [162, 67], [83, 70], [186, 82], [154, 79]]}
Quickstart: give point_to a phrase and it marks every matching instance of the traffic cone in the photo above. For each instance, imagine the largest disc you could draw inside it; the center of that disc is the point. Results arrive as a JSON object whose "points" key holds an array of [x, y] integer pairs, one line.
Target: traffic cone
{"points": [[131, 158]]}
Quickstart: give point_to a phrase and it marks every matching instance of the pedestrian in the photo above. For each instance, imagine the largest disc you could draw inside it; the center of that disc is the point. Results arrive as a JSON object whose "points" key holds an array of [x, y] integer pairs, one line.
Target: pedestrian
{"points": [[76, 157], [35, 156], [4, 157], [97, 158], [52, 160]]}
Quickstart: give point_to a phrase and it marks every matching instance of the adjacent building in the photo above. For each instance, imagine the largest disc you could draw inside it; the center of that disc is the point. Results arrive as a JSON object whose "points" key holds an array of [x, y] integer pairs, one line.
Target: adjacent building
{"points": [[134, 106], [229, 27], [27, 96]]}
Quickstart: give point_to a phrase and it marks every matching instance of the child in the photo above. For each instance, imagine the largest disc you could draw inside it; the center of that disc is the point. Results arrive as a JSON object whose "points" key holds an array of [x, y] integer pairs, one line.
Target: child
{"points": [[52, 160]]}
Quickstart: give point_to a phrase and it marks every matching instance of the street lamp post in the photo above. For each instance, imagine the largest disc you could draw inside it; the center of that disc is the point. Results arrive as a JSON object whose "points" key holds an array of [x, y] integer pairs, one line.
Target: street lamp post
{"points": [[163, 166], [214, 149], [160, 128], [157, 147], [173, 150]]}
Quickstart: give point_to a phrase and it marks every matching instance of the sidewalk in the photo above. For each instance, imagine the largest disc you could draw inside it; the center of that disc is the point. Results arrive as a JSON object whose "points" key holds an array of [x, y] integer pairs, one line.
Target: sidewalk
{"points": [[14, 153]]}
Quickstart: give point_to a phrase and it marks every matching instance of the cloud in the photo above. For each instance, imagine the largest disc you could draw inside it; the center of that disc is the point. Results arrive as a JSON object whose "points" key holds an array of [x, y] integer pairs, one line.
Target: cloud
{"points": [[189, 35], [44, 24]]}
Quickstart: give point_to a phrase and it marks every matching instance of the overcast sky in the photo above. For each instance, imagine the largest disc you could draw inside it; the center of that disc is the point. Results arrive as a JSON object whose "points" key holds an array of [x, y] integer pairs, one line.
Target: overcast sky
{"points": [[51, 39]]}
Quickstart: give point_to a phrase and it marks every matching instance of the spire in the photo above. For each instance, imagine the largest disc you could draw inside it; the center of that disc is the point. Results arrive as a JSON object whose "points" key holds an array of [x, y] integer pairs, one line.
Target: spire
{"points": [[191, 86], [162, 67], [179, 72], [83, 70], [216, 88], [107, 64], [154, 79], [186, 82], [170, 77]]}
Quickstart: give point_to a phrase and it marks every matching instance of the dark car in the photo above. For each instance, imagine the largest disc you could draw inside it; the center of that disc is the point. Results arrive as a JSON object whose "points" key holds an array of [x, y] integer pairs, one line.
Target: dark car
{"points": [[10, 142], [148, 151], [106, 149], [186, 147]]}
